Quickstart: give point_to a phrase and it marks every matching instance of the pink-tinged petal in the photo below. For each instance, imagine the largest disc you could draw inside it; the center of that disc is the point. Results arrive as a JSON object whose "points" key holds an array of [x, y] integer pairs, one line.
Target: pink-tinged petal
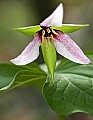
{"points": [[30, 53], [66, 47], [55, 19]]}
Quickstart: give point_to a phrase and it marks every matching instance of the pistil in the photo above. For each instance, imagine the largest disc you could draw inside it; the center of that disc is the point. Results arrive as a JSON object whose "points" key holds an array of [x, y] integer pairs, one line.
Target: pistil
{"points": [[47, 34]]}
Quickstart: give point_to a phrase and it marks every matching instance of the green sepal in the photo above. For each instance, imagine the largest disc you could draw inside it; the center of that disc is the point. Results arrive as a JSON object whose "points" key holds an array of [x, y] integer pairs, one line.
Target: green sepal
{"points": [[69, 28], [31, 30], [66, 28], [49, 55]]}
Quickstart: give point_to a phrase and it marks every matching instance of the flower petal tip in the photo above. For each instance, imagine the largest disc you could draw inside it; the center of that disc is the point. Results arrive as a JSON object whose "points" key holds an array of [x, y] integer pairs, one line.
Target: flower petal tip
{"points": [[14, 61], [66, 47], [30, 53], [55, 19], [87, 61], [83, 61], [18, 62]]}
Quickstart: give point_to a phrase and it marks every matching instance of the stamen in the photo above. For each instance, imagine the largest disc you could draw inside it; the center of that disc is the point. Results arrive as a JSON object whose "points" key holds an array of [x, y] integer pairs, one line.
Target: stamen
{"points": [[54, 32], [42, 38], [53, 38], [43, 33]]}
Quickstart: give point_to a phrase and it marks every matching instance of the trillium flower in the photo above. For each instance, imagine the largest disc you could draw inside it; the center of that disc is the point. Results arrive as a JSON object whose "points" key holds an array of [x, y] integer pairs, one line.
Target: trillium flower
{"points": [[64, 45]]}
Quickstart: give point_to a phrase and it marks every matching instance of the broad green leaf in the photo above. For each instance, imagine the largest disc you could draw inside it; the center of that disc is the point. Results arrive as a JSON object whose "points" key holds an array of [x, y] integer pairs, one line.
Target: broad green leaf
{"points": [[72, 90], [74, 68], [31, 30], [29, 77], [49, 55], [9, 71], [69, 28], [69, 94]]}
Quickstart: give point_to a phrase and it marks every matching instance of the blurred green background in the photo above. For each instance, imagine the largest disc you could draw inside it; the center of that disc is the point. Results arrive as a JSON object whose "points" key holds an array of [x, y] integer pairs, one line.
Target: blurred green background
{"points": [[28, 103]]}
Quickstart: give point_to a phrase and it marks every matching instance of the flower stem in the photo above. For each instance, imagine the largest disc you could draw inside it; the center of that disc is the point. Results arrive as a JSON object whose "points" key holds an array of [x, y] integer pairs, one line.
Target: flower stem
{"points": [[61, 117]]}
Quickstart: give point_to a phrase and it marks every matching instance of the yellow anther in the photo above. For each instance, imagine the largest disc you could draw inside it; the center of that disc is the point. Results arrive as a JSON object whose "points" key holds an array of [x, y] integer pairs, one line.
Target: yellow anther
{"points": [[53, 38], [43, 38], [43, 32], [54, 32]]}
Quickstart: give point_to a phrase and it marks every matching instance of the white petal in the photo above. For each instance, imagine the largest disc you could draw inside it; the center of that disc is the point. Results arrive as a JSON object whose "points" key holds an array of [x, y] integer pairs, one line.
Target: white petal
{"points": [[55, 19], [30, 53], [66, 47]]}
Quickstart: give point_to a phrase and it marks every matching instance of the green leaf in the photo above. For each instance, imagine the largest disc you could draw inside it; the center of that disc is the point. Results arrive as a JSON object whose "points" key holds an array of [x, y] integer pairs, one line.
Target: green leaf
{"points": [[72, 90], [69, 28], [9, 75], [7, 72], [31, 30], [69, 94], [49, 55], [29, 77], [74, 68]]}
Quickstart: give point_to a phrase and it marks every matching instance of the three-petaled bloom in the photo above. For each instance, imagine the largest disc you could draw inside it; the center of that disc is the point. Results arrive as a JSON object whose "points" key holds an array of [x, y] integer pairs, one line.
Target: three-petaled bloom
{"points": [[64, 45]]}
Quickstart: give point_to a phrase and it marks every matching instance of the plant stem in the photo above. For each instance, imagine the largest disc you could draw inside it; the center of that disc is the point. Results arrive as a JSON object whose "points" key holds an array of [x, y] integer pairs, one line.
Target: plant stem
{"points": [[61, 117]]}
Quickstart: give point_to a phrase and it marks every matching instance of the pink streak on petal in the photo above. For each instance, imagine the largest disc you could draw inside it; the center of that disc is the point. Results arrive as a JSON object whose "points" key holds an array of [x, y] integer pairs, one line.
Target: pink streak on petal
{"points": [[30, 53], [66, 47], [55, 19]]}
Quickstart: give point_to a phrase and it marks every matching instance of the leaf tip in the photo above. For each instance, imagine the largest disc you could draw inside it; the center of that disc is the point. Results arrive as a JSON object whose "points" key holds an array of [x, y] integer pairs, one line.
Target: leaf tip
{"points": [[86, 25], [16, 28]]}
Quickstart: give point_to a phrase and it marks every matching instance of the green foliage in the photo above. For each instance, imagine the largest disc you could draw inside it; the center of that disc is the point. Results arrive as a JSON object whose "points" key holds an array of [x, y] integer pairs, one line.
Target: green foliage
{"points": [[7, 72], [72, 90], [73, 68], [49, 55], [31, 30], [29, 77], [12, 76], [69, 28]]}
